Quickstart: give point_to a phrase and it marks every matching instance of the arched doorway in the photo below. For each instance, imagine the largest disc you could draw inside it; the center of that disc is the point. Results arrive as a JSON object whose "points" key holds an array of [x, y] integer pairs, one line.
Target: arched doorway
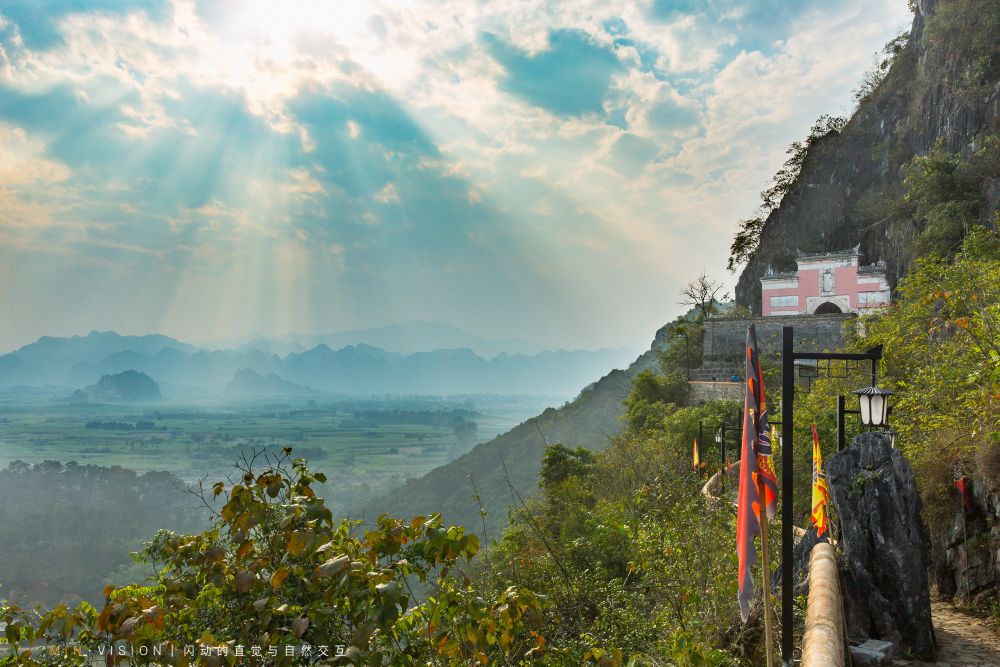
{"points": [[827, 308]]}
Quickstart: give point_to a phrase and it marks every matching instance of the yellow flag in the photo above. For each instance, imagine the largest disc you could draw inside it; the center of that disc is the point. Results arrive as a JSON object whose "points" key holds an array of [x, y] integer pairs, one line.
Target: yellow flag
{"points": [[695, 453], [820, 494]]}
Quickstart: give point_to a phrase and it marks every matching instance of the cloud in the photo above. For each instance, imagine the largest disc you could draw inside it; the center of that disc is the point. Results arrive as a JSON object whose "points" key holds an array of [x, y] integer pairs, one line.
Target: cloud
{"points": [[525, 167], [570, 77]]}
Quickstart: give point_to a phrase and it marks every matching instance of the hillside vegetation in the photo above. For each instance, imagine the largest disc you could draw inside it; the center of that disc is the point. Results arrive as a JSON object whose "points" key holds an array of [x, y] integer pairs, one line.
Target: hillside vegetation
{"points": [[509, 464], [62, 524]]}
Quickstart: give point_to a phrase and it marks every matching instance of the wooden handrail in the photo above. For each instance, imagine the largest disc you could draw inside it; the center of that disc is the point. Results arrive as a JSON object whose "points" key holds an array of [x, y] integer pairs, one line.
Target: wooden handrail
{"points": [[823, 644]]}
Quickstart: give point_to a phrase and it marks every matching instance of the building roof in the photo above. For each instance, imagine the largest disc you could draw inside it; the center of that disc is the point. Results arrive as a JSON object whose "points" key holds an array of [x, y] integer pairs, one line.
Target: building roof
{"points": [[820, 256], [878, 267], [790, 275]]}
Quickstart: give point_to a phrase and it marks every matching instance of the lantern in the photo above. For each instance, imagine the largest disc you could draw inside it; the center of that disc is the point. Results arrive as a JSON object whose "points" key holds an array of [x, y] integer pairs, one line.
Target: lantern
{"points": [[874, 405]]}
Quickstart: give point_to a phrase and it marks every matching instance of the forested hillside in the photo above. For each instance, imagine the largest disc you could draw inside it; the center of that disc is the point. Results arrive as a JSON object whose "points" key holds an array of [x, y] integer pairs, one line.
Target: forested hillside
{"points": [[61, 524], [590, 420]]}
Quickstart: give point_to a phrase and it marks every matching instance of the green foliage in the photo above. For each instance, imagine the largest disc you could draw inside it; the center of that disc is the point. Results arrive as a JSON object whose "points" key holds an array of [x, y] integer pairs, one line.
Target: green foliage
{"points": [[560, 463], [973, 28], [63, 635], [685, 348], [276, 570], [748, 233], [944, 199], [637, 566], [884, 60], [66, 527], [653, 398], [942, 358], [941, 193]]}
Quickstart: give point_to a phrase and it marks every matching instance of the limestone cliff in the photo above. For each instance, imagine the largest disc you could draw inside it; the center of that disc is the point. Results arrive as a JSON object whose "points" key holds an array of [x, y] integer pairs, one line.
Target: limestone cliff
{"points": [[933, 92]]}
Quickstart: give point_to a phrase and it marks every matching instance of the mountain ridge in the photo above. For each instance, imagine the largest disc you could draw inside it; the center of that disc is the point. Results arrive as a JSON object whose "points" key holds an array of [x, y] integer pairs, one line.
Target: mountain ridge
{"points": [[353, 369], [402, 338]]}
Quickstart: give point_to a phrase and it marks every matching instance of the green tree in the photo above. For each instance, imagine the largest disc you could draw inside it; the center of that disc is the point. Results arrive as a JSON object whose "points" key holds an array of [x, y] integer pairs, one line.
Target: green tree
{"points": [[560, 463], [276, 570], [653, 397], [942, 358], [636, 565], [943, 196]]}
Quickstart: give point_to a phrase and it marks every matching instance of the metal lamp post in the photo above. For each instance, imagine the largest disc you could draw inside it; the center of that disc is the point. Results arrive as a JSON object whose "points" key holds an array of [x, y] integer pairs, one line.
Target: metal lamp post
{"points": [[788, 358], [720, 441]]}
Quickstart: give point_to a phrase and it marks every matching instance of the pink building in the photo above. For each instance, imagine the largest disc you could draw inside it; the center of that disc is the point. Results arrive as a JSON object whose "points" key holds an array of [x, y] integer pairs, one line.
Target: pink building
{"points": [[825, 283]]}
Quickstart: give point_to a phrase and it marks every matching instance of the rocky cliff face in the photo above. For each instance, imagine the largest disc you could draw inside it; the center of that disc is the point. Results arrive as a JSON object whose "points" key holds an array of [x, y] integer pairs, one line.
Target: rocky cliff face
{"points": [[831, 205], [884, 552], [967, 553]]}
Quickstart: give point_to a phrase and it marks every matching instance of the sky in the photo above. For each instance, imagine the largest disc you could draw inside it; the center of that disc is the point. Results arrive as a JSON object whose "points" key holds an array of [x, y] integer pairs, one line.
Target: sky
{"points": [[552, 170]]}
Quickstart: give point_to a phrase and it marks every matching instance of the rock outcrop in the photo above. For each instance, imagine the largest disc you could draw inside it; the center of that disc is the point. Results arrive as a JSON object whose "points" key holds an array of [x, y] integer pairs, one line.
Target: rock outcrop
{"points": [[832, 205], [967, 554], [247, 382], [884, 550], [126, 386]]}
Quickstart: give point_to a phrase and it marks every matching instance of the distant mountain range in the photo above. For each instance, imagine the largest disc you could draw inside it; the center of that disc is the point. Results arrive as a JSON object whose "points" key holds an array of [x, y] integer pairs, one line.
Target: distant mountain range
{"points": [[404, 338], [80, 361]]}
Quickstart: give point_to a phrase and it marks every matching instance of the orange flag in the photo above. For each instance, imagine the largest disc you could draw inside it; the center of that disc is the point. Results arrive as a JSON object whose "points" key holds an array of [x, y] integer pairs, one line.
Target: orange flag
{"points": [[695, 450], [820, 493]]}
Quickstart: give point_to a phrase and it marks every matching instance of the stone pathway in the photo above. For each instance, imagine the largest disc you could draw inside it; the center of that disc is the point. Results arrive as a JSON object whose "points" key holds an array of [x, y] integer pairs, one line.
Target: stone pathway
{"points": [[963, 640]]}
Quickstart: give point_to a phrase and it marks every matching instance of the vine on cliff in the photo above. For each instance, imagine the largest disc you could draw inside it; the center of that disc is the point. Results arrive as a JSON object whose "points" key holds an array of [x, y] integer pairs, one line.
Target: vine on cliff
{"points": [[748, 234]]}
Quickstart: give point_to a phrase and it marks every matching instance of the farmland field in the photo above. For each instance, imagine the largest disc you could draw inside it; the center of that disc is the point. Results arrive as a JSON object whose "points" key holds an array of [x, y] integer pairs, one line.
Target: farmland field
{"points": [[362, 445]]}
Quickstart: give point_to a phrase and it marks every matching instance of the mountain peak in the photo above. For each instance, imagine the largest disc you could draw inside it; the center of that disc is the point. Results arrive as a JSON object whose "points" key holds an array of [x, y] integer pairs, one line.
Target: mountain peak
{"points": [[127, 386]]}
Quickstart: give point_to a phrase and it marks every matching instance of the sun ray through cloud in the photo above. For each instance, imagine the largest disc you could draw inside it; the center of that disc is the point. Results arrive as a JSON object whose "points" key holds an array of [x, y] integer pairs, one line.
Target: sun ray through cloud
{"points": [[310, 164]]}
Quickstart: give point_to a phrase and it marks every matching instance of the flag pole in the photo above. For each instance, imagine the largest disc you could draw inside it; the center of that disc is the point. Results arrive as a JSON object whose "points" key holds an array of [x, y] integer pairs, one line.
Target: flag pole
{"points": [[765, 571]]}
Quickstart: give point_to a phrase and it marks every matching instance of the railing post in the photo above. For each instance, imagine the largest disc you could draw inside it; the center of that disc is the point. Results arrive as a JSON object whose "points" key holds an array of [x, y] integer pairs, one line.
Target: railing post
{"points": [[840, 423], [701, 440], [787, 580]]}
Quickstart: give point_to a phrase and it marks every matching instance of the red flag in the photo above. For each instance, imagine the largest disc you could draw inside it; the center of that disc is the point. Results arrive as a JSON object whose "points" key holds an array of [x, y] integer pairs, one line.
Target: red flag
{"points": [[755, 465], [962, 485]]}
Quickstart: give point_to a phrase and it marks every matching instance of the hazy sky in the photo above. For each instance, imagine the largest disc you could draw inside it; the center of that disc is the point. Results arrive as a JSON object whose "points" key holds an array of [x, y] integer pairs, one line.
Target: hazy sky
{"points": [[551, 170]]}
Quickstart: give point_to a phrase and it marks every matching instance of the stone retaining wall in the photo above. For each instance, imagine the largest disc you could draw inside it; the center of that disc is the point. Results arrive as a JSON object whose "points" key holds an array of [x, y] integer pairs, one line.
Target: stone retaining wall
{"points": [[703, 392], [725, 337]]}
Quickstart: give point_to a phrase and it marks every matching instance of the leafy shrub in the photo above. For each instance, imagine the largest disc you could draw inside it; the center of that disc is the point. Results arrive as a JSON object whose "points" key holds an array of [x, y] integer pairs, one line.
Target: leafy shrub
{"points": [[942, 358], [636, 565], [653, 398], [278, 572]]}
